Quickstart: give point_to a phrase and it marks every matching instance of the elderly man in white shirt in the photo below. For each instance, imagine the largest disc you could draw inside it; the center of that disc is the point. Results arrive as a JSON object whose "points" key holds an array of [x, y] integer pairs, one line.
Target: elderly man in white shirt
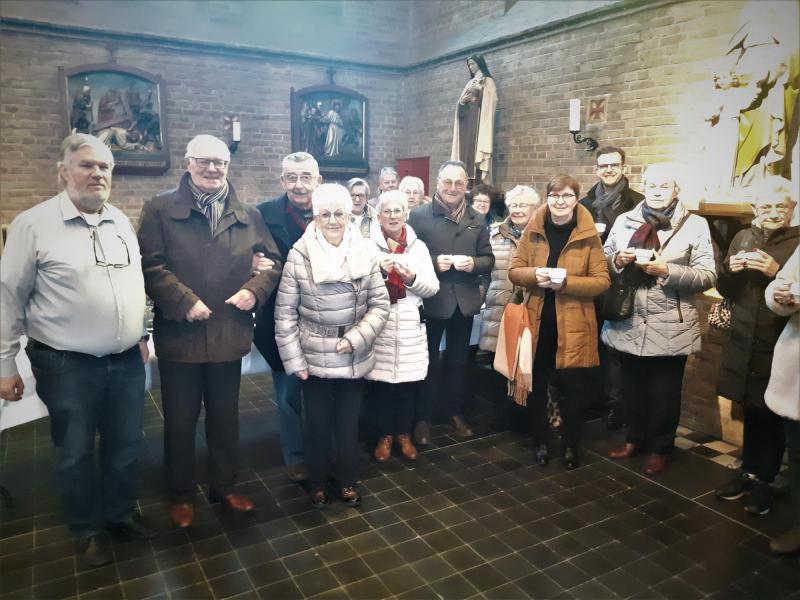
{"points": [[71, 280]]}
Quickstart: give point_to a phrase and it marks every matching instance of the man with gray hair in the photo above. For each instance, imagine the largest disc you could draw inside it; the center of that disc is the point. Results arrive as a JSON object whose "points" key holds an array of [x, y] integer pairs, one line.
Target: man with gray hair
{"points": [[71, 280], [286, 217], [198, 243], [388, 179]]}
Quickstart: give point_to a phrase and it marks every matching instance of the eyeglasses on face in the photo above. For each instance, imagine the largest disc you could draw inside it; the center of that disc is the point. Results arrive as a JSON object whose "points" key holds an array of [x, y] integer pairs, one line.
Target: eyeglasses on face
{"points": [[292, 178], [609, 167], [521, 206], [355, 196], [326, 215], [565, 197], [392, 212], [458, 184], [102, 263], [207, 162], [481, 201]]}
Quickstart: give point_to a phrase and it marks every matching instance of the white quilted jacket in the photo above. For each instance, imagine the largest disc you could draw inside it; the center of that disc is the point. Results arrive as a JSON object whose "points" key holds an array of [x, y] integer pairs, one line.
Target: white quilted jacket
{"points": [[312, 312], [401, 350]]}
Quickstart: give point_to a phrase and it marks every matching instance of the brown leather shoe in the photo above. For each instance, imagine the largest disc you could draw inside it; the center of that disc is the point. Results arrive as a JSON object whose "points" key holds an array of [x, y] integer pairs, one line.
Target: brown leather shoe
{"points": [[656, 463], [407, 447], [182, 514], [460, 427], [625, 451], [235, 501], [384, 448], [297, 473]]}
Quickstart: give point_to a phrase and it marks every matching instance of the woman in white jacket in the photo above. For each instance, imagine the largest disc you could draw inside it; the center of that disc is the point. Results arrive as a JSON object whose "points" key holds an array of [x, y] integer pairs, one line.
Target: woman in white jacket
{"points": [[331, 306], [401, 350], [783, 392]]}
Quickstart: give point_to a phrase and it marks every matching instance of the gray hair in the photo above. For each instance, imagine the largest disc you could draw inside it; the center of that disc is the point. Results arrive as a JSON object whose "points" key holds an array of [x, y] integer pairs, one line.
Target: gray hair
{"points": [[666, 167], [200, 142], [411, 182], [773, 187], [387, 171], [331, 193], [357, 181], [74, 142], [299, 157], [390, 197], [452, 163], [523, 191]]}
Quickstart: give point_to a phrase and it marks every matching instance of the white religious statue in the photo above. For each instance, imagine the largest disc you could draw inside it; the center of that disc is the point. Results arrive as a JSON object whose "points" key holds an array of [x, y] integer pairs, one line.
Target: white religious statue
{"points": [[336, 131]]}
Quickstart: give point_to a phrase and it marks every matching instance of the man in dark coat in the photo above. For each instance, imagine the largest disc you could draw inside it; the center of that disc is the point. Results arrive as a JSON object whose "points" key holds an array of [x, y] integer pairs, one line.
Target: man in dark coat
{"points": [[286, 218], [197, 245], [458, 240], [606, 200], [754, 258]]}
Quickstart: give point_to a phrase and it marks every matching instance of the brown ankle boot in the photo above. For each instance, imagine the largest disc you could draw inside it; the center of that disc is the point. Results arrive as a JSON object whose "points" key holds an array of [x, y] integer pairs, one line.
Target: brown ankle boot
{"points": [[407, 447], [384, 448]]}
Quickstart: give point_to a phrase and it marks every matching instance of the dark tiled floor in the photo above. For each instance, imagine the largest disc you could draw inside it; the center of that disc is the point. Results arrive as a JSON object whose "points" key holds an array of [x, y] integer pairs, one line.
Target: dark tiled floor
{"points": [[468, 520]]}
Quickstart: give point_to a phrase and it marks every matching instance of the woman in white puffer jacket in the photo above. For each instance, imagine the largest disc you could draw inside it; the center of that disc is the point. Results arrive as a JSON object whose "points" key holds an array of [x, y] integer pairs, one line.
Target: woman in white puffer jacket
{"points": [[401, 350]]}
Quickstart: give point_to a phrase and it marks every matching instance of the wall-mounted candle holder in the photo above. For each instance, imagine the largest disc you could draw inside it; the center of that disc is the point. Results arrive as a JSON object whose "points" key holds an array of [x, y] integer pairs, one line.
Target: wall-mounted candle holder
{"points": [[575, 126]]}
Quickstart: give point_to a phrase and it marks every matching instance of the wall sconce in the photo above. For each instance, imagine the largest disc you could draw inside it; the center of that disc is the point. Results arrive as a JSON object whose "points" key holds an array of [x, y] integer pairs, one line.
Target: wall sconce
{"points": [[235, 125], [575, 126]]}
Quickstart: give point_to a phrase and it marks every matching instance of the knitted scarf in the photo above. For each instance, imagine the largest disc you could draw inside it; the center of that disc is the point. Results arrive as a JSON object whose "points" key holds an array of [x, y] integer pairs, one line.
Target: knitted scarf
{"points": [[647, 237], [394, 284], [210, 203], [454, 214], [612, 196], [301, 219]]}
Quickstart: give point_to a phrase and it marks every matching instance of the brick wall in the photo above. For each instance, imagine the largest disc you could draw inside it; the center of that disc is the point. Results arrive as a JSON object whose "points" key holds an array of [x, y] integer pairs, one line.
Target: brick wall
{"points": [[201, 88]]}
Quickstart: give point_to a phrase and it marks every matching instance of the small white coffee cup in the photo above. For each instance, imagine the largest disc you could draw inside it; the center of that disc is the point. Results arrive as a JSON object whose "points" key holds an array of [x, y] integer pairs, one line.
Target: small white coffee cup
{"points": [[601, 227], [557, 275], [643, 255], [752, 256]]}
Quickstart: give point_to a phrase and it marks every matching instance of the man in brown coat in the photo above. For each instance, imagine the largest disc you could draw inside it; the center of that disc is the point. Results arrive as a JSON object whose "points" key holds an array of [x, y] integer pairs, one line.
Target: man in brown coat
{"points": [[197, 246]]}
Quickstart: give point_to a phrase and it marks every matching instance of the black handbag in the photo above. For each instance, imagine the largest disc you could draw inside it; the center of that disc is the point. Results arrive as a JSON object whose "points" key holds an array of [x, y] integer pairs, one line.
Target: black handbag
{"points": [[616, 303]]}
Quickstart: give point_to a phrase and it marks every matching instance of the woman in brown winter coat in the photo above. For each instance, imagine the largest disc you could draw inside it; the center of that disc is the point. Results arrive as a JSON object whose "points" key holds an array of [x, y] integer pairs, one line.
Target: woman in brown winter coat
{"points": [[561, 263]]}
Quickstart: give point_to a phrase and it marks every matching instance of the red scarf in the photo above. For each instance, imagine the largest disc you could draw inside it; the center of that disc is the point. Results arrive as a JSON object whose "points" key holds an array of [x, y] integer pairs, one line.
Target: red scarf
{"points": [[296, 217], [394, 284]]}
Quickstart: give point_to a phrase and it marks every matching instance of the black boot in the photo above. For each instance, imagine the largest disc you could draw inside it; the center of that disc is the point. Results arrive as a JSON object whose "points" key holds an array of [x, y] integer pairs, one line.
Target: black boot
{"points": [[571, 460]]}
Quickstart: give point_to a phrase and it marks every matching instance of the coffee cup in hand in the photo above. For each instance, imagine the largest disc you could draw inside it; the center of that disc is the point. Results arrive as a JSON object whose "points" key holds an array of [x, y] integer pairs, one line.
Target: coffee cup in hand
{"points": [[557, 275], [643, 255]]}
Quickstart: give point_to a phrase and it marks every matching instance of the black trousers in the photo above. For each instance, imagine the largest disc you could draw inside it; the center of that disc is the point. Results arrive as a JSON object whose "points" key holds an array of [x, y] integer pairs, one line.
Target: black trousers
{"points": [[446, 377], [793, 442], [184, 388], [651, 388], [394, 405], [763, 444], [331, 411], [572, 383]]}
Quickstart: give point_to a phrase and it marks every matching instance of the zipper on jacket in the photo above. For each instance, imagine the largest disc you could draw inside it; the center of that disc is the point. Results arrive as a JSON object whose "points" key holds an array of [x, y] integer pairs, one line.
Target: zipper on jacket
{"points": [[680, 312]]}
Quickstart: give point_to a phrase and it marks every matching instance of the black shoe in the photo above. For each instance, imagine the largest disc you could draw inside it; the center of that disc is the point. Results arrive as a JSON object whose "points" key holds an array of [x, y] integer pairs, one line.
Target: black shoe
{"points": [[571, 460], [350, 496], [760, 500], [422, 433], [461, 427], [92, 551], [614, 419], [133, 528], [736, 488], [320, 499], [542, 455]]}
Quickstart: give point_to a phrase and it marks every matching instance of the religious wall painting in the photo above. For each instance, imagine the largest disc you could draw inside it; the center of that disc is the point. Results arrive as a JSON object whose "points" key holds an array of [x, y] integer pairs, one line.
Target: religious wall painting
{"points": [[330, 123], [123, 107], [597, 110]]}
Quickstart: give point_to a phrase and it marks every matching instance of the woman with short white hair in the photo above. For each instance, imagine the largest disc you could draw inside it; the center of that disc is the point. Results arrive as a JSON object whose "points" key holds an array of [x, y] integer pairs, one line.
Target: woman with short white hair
{"points": [[414, 190], [665, 254], [332, 304], [401, 350], [521, 201]]}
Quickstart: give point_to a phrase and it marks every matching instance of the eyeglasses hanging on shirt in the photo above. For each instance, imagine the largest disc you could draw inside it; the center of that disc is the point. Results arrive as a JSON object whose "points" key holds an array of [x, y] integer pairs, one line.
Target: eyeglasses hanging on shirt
{"points": [[114, 254]]}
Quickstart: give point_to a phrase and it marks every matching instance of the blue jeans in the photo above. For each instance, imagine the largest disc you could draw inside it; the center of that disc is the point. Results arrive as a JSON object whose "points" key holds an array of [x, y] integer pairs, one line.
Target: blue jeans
{"points": [[289, 398], [87, 395]]}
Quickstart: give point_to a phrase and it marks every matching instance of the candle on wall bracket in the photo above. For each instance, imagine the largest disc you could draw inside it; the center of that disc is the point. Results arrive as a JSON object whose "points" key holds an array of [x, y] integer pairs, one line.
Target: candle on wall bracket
{"points": [[575, 126], [235, 125]]}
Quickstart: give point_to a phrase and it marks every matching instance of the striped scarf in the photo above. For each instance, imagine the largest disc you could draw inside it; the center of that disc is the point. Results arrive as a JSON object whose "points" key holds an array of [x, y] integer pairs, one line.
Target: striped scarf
{"points": [[211, 204]]}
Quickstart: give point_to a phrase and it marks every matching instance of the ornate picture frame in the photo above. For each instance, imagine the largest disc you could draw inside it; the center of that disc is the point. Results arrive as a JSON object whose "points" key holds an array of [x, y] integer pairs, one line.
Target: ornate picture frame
{"points": [[124, 107], [330, 123]]}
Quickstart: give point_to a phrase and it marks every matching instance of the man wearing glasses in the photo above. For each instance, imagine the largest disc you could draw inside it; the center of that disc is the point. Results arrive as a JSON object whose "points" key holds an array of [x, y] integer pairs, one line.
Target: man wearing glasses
{"points": [[71, 280], [606, 200], [458, 240], [198, 243], [286, 217], [362, 214]]}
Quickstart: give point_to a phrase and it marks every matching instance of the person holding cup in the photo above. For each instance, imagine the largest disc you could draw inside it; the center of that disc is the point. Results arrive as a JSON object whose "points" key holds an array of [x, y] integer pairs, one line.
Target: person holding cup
{"points": [[401, 350], [754, 258], [560, 261], [655, 341]]}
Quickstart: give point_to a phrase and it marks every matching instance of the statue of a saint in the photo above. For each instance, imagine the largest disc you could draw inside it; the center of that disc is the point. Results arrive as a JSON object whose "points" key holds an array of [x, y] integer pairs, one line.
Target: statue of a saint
{"points": [[473, 128], [335, 123]]}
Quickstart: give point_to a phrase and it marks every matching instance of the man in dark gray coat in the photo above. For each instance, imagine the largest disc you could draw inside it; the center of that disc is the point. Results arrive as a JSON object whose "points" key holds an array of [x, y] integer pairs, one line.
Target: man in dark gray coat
{"points": [[458, 240]]}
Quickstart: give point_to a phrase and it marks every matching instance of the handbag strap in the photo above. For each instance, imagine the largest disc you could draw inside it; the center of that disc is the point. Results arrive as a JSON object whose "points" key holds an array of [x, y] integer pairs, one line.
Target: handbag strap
{"points": [[674, 231]]}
